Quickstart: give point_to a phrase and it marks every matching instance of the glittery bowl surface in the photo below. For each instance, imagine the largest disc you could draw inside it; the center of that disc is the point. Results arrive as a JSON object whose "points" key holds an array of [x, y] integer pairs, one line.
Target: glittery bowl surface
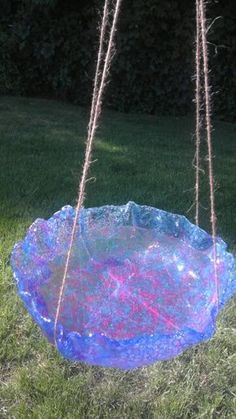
{"points": [[140, 285]]}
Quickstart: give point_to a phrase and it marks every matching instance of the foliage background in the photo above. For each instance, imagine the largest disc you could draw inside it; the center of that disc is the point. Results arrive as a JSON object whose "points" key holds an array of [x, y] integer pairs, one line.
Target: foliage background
{"points": [[48, 48]]}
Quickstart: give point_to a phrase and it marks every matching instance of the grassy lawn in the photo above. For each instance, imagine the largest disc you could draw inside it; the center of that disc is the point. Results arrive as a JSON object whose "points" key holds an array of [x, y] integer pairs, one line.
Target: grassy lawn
{"points": [[139, 158]]}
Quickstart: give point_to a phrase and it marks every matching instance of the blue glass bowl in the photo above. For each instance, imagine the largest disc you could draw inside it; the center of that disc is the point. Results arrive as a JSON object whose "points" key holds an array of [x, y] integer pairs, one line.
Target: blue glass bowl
{"points": [[140, 286]]}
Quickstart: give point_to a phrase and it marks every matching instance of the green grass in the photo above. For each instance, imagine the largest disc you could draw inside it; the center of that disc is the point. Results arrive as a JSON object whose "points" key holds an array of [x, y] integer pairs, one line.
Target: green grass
{"points": [[140, 158]]}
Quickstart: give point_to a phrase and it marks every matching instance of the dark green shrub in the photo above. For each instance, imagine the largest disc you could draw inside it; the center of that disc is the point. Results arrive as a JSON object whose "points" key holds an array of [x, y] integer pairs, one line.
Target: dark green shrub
{"points": [[48, 47]]}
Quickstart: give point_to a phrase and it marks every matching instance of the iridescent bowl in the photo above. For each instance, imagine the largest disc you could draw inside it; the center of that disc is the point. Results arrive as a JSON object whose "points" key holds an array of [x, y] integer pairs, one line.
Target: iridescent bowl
{"points": [[140, 288]]}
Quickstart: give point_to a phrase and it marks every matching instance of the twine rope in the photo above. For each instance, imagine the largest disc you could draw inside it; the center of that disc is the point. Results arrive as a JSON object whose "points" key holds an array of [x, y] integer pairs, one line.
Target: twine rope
{"points": [[92, 126], [202, 57], [98, 65], [198, 111]]}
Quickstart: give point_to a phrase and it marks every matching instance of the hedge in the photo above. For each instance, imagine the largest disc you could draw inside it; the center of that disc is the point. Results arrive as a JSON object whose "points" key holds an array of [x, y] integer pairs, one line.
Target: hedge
{"points": [[48, 48]]}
